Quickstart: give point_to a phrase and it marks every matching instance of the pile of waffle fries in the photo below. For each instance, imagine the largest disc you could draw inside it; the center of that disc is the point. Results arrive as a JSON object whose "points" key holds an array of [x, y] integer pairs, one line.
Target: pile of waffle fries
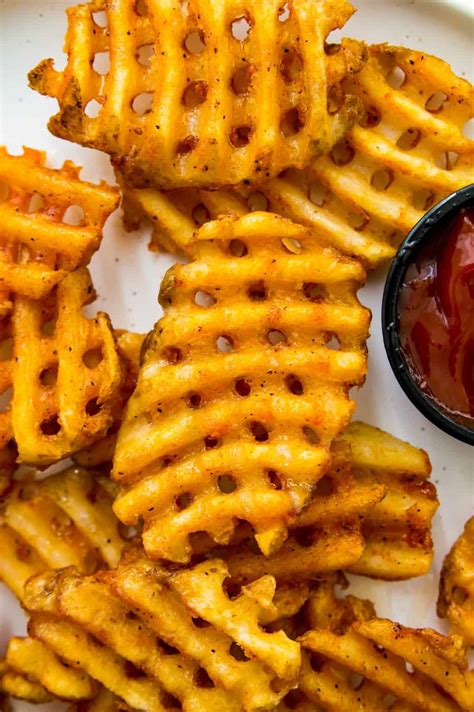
{"points": [[210, 487]]}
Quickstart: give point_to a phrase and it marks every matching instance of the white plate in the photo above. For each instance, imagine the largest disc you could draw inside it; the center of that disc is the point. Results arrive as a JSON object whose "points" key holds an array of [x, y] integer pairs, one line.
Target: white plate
{"points": [[127, 275]]}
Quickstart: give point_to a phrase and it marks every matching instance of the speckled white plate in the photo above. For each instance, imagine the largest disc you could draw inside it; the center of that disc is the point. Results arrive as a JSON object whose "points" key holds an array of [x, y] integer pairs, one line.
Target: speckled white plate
{"points": [[127, 275]]}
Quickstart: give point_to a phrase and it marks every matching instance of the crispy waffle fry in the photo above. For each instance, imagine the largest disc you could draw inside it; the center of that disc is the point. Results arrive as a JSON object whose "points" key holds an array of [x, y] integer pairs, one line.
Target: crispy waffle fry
{"points": [[51, 223], [326, 537], [456, 587], [397, 531], [203, 94], [251, 318], [34, 661], [65, 519], [101, 452], [66, 375], [20, 687], [359, 662], [407, 153], [166, 611], [370, 514]]}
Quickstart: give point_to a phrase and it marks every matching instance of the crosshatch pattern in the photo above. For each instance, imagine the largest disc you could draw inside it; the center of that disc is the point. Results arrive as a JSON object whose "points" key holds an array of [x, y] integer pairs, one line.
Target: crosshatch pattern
{"points": [[67, 373], [51, 223], [407, 152], [204, 93], [355, 660], [370, 514], [65, 519], [269, 320], [150, 656]]}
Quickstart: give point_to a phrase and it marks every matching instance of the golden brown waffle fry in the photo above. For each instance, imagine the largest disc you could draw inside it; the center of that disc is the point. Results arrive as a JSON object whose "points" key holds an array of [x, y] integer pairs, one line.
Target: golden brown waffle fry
{"points": [[176, 215], [407, 153], [66, 375], [101, 452], [65, 519], [34, 661], [370, 514], [358, 662], [155, 651], [327, 535], [241, 391], [456, 586], [20, 687], [397, 531], [51, 223], [207, 93]]}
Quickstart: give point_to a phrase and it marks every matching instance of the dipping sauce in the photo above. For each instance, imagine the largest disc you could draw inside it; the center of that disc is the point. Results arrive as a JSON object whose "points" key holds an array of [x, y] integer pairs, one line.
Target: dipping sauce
{"points": [[436, 313]]}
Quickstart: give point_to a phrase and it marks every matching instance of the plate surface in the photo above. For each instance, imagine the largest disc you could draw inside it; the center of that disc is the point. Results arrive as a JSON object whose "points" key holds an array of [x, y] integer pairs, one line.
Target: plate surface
{"points": [[127, 275]]}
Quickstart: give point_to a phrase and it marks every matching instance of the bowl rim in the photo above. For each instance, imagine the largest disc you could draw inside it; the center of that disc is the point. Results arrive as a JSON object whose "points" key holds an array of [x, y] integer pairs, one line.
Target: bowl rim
{"points": [[390, 318]]}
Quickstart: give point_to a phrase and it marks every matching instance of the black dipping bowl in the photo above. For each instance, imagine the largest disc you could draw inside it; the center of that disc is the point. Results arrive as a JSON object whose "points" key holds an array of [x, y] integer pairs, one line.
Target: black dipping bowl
{"points": [[428, 227]]}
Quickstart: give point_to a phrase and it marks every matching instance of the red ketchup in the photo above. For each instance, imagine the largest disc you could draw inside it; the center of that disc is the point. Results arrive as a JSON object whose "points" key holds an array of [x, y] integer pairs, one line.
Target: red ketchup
{"points": [[436, 312]]}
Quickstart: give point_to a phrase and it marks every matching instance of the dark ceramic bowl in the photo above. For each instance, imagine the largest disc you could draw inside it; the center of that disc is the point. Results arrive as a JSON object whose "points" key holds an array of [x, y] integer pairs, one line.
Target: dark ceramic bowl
{"points": [[429, 225]]}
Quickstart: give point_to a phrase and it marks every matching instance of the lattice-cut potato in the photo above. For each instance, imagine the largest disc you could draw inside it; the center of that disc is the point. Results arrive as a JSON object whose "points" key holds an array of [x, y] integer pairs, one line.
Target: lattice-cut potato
{"points": [[51, 223], [207, 92], [63, 520], [456, 587], [13, 685], [397, 531], [101, 452], [137, 631], [243, 387], [67, 373], [370, 514], [326, 537], [407, 152], [176, 215], [356, 661], [28, 660]]}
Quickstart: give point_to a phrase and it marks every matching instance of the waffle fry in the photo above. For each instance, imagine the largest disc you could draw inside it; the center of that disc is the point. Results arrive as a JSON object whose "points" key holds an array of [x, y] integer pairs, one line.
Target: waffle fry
{"points": [[51, 223], [101, 452], [407, 152], [67, 373], [64, 520], [397, 531], [245, 319], [456, 587], [34, 661], [67, 606], [179, 105], [358, 662], [326, 537], [20, 687], [370, 514]]}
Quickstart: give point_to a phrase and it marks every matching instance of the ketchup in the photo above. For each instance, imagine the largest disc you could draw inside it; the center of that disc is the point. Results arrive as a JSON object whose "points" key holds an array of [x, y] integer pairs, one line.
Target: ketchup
{"points": [[436, 316]]}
